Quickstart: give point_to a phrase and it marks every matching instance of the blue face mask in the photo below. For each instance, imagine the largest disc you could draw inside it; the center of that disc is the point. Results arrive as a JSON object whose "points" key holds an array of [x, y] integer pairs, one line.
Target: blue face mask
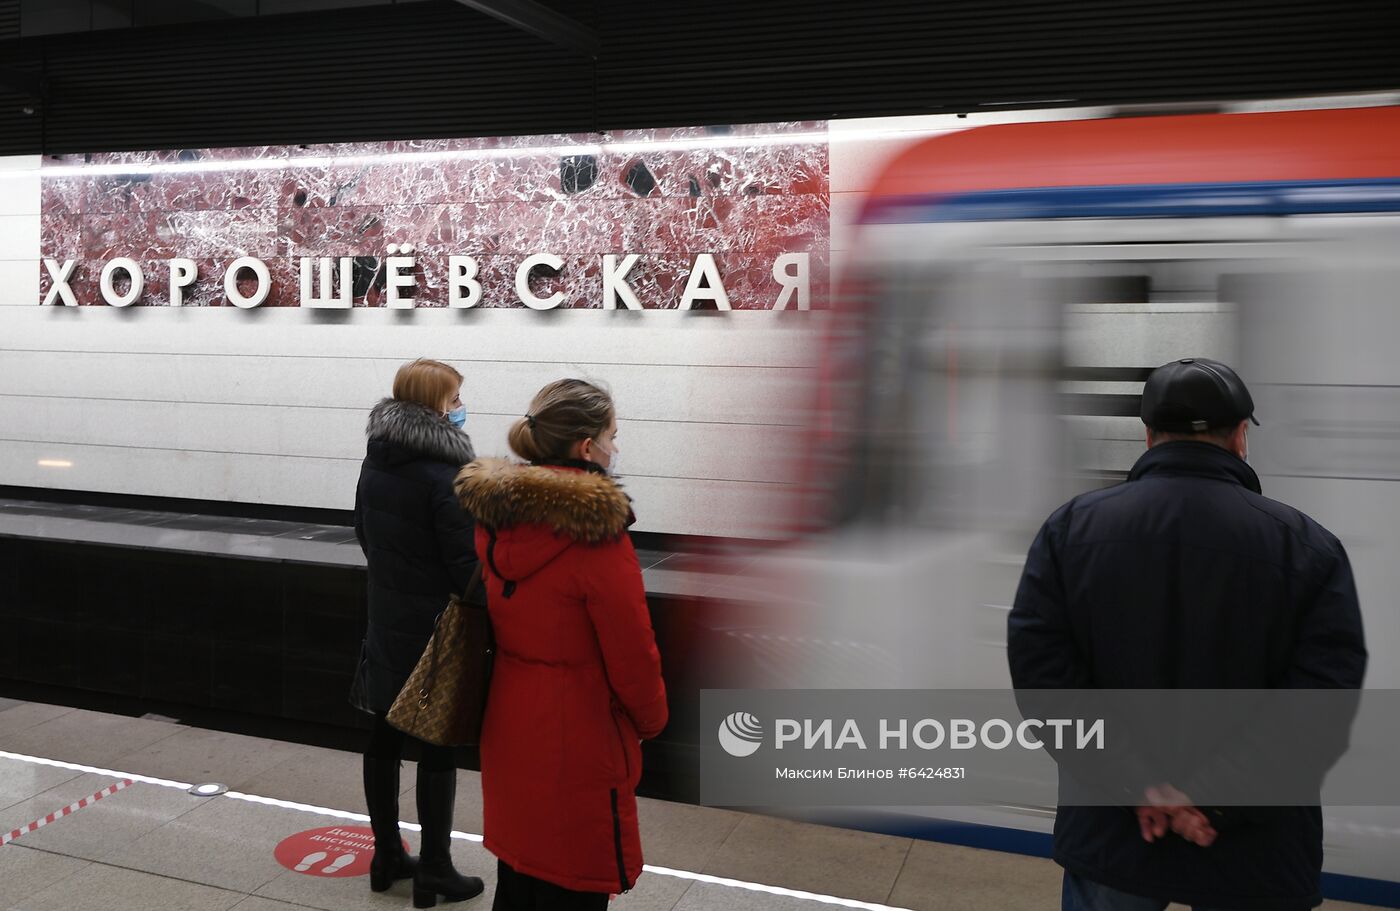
{"points": [[458, 417]]}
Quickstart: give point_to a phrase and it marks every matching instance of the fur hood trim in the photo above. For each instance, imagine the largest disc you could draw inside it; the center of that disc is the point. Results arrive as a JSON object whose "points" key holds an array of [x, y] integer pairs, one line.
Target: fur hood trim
{"points": [[419, 430], [584, 506]]}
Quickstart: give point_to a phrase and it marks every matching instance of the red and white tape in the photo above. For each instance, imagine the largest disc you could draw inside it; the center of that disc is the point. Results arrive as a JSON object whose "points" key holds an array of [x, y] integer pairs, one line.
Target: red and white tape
{"points": [[59, 814]]}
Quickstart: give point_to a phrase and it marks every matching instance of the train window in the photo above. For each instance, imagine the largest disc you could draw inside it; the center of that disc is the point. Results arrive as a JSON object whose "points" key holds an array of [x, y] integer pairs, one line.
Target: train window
{"points": [[954, 421], [995, 387], [1112, 345], [1104, 289]]}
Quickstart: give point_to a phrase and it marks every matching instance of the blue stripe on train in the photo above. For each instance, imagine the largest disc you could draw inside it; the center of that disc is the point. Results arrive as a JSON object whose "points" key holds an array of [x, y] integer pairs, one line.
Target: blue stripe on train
{"points": [[1336, 886], [1299, 197]]}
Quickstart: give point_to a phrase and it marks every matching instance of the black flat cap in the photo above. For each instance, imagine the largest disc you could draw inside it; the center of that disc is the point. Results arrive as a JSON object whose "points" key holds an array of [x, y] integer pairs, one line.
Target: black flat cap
{"points": [[1195, 394]]}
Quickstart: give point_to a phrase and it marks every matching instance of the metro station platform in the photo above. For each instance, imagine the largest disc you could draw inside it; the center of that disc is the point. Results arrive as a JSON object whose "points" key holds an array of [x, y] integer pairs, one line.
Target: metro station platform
{"points": [[98, 816]]}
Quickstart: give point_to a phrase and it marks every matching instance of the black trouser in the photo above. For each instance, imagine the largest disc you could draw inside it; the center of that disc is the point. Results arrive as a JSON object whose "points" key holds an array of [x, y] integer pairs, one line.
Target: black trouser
{"points": [[387, 742], [519, 892]]}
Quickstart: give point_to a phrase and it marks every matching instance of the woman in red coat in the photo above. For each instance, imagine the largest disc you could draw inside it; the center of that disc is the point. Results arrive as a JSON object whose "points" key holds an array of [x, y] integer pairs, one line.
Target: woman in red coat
{"points": [[577, 679]]}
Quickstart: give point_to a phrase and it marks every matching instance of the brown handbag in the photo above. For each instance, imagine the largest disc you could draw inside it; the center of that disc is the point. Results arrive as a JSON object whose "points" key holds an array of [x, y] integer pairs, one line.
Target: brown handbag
{"points": [[444, 700]]}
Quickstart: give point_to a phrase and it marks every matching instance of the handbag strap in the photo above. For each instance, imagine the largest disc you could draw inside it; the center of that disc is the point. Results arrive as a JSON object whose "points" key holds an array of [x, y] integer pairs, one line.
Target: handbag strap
{"points": [[472, 585], [433, 644]]}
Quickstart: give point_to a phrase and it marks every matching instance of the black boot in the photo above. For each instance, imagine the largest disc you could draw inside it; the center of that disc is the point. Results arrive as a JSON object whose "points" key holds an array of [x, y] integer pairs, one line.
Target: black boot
{"points": [[390, 861], [436, 875]]}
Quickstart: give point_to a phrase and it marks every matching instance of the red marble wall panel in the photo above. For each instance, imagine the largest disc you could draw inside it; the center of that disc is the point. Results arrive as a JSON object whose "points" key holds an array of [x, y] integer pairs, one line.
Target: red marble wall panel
{"points": [[331, 231], [179, 192], [745, 194], [62, 234], [62, 195]]}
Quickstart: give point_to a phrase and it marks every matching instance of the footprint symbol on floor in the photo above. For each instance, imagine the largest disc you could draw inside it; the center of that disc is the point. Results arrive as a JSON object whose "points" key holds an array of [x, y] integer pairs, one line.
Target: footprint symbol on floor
{"points": [[340, 863], [310, 859]]}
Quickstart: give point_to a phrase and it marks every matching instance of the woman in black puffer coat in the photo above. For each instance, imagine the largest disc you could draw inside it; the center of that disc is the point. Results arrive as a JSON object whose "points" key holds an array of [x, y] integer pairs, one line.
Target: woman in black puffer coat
{"points": [[418, 542]]}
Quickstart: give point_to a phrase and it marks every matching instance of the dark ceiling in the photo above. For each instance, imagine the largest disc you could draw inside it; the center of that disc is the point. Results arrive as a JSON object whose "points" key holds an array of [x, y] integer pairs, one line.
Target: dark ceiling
{"points": [[137, 74]]}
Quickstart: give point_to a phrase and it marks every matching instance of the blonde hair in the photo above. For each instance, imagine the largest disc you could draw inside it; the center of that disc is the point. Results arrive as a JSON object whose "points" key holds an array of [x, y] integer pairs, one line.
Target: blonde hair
{"points": [[560, 415], [427, 382]]}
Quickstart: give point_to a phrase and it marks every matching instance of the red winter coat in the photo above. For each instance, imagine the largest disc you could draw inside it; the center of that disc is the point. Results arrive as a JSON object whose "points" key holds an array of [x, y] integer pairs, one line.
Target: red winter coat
{"points": [[577, 679]]}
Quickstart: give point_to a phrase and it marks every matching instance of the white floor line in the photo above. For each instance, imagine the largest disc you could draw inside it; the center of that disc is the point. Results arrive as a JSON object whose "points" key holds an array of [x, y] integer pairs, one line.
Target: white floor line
{"points": [[799, 894]]}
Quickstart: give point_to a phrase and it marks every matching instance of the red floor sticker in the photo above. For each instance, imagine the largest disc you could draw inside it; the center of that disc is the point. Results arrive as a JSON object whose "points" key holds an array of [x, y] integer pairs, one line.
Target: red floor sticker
{"points": [[330, 851]]}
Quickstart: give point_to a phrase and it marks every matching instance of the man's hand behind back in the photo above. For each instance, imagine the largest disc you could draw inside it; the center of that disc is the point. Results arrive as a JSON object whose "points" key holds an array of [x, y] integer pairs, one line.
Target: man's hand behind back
{"points": [[1168, 808]]}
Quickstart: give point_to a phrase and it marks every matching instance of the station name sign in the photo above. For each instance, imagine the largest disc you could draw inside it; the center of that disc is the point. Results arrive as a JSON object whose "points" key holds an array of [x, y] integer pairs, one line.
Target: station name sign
{"points": [[327, 282]]}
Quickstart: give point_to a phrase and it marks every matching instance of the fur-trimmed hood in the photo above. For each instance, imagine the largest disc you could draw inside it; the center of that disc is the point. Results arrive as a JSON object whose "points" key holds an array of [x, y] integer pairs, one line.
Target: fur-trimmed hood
{"points": [[580, 505], [418, 432], [537, 512]]}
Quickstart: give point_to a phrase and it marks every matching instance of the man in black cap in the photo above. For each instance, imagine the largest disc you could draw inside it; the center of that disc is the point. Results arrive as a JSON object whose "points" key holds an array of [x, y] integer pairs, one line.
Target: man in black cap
{"points": [[1187, 577]]}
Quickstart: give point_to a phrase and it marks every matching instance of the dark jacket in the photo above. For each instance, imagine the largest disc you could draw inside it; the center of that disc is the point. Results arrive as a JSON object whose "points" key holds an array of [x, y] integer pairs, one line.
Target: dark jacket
{"points": [[577, 680], [416, 538], [1185, 576]]}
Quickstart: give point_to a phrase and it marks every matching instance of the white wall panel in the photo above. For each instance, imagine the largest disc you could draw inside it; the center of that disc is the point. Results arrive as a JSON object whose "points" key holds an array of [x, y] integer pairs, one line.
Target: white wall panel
{"points": [[269, 406], [682, 451], [19, 284], [19, 237], [19, 230], [670, 505], [659, 449], [294, 432], [176, 473], [684, 507], [743, 338], [20, 162], [747, 395], [19, 191]]}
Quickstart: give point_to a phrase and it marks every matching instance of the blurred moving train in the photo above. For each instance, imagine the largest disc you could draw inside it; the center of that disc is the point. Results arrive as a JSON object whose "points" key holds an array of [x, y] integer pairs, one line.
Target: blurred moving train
{"points": [[1011, 288]]}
